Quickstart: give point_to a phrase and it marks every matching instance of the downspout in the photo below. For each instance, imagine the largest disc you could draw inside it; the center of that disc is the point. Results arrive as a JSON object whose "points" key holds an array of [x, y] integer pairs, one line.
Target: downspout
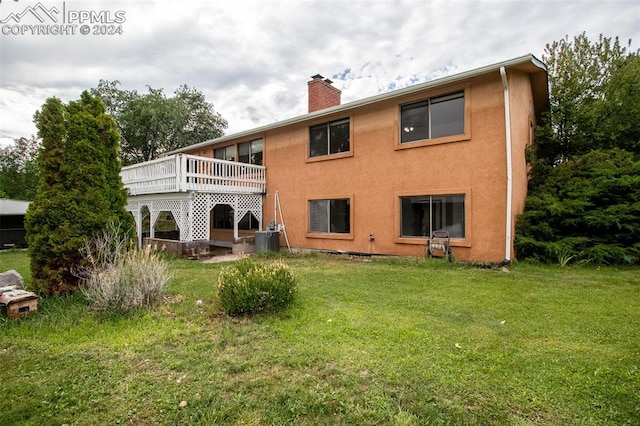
{"points": [[507, 128]]}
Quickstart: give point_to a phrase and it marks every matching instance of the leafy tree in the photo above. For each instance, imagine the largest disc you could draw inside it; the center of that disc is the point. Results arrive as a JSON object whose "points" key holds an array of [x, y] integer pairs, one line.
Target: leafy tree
{"points": [[80, 189], [151, 124], [621, 110], [584, 195], [19, 170], [584, 81]]}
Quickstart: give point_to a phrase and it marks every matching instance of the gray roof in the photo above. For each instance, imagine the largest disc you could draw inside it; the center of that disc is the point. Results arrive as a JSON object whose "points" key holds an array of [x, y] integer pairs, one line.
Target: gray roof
{"points": [[13, 207], [527, 63]]}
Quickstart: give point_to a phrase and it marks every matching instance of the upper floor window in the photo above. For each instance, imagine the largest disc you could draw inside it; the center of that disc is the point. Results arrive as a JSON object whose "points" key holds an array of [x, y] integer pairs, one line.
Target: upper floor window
{"points": [[432, 118], [227, 153], [329, 138], [250, 152]]}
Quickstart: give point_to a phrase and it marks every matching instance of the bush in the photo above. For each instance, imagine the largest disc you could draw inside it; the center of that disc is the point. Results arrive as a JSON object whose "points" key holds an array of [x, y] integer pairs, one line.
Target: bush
{"points": [[121, 278], [248, 288], [587, 208]]}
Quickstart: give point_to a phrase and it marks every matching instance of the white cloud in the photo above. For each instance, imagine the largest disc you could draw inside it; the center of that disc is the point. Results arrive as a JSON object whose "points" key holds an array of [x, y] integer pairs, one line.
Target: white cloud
{"points": [[252, 58]]}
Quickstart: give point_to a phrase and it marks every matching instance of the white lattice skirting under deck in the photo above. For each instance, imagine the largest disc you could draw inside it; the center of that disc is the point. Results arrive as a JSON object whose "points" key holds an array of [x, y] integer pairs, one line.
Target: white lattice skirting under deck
{"points": [[192, 211]]}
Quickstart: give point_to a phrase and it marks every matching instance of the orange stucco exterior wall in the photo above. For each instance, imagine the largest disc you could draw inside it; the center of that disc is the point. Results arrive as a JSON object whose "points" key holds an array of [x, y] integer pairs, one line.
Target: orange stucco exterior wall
{"points": [[523, 124], [378, 171]]}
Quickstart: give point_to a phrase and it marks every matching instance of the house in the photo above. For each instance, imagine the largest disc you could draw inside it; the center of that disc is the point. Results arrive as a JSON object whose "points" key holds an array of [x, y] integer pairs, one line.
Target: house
{"points": [[375, 176], [12, 230]]}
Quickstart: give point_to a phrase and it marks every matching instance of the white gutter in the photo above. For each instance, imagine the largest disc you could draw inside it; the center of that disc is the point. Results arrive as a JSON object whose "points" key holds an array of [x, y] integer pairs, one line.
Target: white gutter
{"points": [[507, 129]]}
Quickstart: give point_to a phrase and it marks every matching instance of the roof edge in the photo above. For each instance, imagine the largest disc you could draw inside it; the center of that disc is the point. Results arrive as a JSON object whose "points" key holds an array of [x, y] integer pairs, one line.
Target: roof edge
{"points": [[465, 75]]}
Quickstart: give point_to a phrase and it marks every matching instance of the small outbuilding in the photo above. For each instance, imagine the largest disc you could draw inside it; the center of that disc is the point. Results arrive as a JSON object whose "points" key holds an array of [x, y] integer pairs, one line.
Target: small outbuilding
{"points": [[12, 231]]}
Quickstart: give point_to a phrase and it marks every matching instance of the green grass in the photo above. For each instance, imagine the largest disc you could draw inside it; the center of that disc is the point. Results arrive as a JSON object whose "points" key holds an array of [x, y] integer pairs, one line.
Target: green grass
{"points": [[397, 342]]}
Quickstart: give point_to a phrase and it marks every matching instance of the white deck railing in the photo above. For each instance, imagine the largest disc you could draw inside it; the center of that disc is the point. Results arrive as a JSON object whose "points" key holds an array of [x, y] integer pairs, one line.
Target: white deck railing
{"points": [[181, 173]]}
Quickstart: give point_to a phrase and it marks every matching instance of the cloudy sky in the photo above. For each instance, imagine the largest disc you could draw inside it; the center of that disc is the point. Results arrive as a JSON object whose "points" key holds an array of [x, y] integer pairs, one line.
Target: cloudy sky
{"points": [[253, 58]]}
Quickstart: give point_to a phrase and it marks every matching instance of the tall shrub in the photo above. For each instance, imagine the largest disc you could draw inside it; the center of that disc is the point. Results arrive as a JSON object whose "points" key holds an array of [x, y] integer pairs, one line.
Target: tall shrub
{"points": [[588, 208], [80, 189]]}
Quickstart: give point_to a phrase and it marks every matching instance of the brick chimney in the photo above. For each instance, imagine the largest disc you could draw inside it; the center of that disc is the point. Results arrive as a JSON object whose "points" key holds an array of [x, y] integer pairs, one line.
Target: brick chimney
{"points": [[322, 94]]}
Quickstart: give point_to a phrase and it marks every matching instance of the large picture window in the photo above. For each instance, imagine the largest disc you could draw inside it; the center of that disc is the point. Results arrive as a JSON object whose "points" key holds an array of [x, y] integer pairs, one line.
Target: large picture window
{"points": [[422, 215], [432, 118], [330, 216], [329, 138], [250, 152]]}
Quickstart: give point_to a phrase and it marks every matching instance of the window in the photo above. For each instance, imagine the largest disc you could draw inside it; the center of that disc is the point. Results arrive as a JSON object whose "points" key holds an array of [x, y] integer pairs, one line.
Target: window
{"points": [[227, 153], [432, 118], [250, 152], [330, 216], [249, 221], [329, 138], [223, 216], [421, 216]]}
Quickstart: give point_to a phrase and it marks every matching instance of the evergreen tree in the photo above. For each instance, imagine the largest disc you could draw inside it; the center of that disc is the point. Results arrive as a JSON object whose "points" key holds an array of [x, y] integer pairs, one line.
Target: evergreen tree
{"points": [[47, 212], [80, 189], [587, 208]]}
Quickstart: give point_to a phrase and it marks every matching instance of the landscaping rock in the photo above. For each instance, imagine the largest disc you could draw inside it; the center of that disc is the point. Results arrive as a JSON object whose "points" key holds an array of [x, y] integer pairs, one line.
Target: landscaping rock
{"points": [[11, 278]]}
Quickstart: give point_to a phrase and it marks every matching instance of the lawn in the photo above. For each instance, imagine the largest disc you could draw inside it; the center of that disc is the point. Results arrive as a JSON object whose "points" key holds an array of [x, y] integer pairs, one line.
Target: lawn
{"points": [[392, 342]]}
